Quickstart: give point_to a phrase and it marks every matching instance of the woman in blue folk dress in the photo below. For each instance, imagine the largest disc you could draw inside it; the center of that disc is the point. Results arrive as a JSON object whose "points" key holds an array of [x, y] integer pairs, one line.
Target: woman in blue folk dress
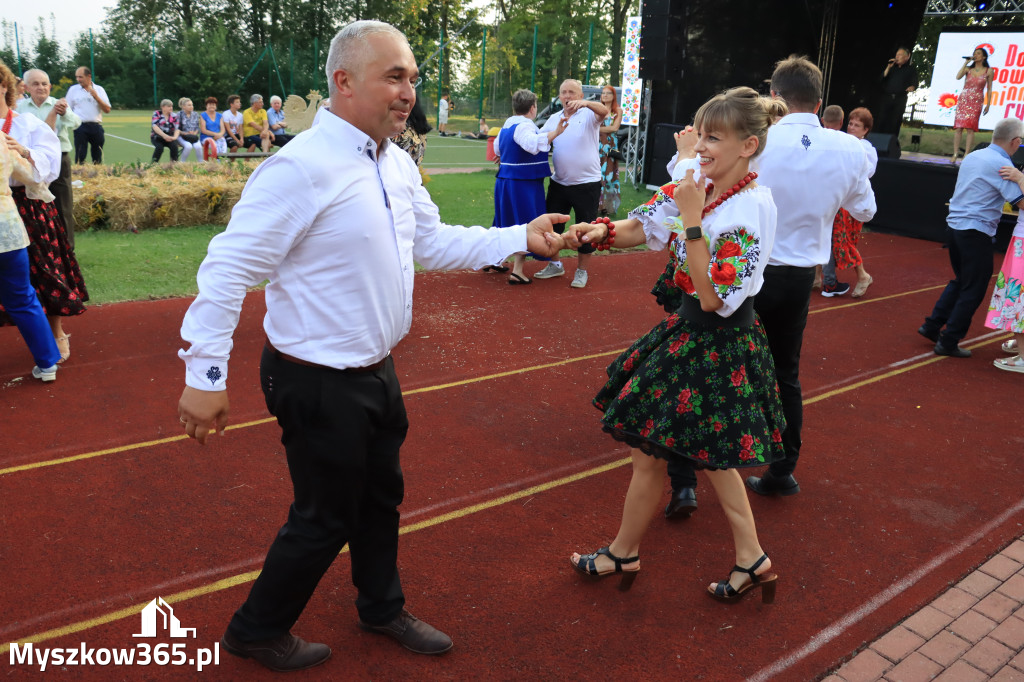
{"points": [[701, 384], [519, 188]]}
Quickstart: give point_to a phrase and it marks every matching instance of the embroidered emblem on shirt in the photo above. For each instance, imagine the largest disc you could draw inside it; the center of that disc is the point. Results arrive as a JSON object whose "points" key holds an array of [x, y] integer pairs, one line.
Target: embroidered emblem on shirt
{"points": [[214, 375], [805, 141]]}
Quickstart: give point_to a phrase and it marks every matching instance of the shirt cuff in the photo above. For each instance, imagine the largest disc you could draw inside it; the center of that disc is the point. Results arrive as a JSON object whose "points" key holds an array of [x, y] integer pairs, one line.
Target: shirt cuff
{"points": [[511, 240], [204, 374]]}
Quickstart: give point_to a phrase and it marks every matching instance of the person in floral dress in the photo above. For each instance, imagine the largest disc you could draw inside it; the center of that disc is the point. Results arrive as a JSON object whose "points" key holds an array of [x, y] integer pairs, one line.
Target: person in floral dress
{"points": [[701, 384], [609, 141], [1006, 310], [976, 74]]}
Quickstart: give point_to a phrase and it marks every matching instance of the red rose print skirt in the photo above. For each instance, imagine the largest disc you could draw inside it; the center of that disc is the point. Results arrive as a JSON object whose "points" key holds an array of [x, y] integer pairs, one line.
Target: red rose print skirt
{"points": [[707, 394], [53, 268]]}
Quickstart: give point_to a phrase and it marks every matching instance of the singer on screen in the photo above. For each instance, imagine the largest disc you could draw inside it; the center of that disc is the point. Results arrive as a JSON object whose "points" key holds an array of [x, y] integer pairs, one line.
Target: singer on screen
{"points": [[968, 105]]}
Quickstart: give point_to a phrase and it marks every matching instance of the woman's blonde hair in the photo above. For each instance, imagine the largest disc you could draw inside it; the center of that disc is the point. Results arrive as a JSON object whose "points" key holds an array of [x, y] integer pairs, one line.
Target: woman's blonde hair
{"points": [[742, 111]]}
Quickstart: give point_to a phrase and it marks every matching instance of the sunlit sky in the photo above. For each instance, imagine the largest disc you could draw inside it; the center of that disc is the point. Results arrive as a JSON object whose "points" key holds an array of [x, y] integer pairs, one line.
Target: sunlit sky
{"points": [[72, 17]]}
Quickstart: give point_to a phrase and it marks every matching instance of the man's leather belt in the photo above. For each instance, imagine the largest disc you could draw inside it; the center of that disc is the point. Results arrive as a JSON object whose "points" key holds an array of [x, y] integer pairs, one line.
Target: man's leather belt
{"points": [[299, 361]]}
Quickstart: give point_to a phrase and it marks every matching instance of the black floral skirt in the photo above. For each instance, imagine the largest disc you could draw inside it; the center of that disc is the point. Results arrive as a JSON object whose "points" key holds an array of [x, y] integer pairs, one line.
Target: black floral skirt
{"points": [[705, 393], [53, 268]]}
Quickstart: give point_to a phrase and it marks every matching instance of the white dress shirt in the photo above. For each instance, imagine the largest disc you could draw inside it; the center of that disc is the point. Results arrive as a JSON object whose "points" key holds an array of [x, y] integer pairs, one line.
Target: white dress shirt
{"points": [[44, 146], [85, 105], [576, 151], [532, 141], [812, 172], [335, 228]]}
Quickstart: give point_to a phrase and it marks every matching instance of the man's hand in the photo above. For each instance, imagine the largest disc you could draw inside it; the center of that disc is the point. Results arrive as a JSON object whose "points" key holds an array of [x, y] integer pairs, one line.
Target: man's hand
{"points": [[686, 140], [584, 233], [203, 412], [574, 105], [540, 234], [60, 106]]}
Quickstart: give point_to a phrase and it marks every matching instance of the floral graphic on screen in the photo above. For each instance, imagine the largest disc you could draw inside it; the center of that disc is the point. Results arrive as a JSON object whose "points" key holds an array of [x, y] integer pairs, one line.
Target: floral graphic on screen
{"points": [[947, 100]]}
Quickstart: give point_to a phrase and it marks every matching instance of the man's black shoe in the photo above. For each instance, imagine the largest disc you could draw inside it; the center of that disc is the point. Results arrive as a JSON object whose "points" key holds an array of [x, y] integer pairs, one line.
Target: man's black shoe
{"points": [[682, 504], [281, 654], [928, 333], [952, 351], [413, 634], [771, 485]]}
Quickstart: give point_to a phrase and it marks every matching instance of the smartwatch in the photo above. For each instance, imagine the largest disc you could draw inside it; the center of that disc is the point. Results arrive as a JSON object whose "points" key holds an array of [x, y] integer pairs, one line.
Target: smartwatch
{"points": [[693, 233]]}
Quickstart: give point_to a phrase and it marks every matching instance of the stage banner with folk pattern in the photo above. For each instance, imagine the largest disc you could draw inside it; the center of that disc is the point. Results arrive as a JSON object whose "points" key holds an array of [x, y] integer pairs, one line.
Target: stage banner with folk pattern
{"points": [[1005, 55], [632, 86]]}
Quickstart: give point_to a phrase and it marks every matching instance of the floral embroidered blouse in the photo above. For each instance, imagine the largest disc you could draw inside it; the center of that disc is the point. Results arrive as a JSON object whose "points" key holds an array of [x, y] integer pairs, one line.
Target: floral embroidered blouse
{"points": [[740, 234]]}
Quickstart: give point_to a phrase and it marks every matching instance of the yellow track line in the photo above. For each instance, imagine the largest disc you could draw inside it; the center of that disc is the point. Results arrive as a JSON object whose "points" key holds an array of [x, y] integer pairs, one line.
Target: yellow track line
{"points": [[250, 576], [244, 425]]}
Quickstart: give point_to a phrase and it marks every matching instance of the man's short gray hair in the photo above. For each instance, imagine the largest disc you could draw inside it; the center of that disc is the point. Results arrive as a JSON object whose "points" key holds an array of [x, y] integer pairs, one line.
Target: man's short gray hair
{"points": [[255, 97], [28, 74], [578, 84], [522, 101], [1007, 129], [345, 52], [274, 98]]}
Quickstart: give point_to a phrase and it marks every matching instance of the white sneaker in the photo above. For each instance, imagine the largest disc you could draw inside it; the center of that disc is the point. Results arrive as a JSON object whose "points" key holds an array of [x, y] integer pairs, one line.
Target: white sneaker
{"points": [[550, 270], [579, 280], [48, 374]]}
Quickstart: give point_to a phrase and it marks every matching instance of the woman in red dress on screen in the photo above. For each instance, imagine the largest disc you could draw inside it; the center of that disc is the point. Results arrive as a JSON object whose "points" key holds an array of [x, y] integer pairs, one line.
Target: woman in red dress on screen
{"points": [[968, 105]]}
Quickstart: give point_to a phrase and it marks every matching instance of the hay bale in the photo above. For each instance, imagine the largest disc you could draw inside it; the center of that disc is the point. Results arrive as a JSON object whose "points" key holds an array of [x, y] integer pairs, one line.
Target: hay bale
{"points": [[135, 197]]}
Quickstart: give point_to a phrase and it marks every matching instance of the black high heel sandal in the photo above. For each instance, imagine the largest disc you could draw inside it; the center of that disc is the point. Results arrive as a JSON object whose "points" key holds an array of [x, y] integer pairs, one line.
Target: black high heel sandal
{"points": [[725, 592], [587, 566]]}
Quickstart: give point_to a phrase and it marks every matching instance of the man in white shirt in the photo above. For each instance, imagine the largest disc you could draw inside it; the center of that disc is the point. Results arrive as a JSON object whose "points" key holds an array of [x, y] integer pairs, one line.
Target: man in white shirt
{"points": [[442, 116], [89, 102], [335, 221], [575, 184], [812, 172], [58, 115]]}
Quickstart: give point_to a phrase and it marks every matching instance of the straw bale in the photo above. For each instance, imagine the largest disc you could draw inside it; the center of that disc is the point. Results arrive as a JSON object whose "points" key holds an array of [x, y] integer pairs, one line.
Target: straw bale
{"points": [[136, 197]]}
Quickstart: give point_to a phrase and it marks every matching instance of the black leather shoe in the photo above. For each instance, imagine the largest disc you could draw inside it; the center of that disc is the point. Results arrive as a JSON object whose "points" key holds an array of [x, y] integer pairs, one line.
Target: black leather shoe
{"points": [[682, 504], [951, 351], [281, 654], [928, 333], [770, 485], [413, 634]]}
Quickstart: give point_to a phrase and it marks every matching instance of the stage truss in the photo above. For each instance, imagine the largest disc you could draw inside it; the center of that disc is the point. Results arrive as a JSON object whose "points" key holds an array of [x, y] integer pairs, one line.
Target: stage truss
{"points": [[945, 7]]}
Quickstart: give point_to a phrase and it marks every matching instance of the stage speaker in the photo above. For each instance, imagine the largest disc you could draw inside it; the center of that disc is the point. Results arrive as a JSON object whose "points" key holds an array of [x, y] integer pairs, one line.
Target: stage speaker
{"points": [[663, 149], [661, 39], [887, 146]]}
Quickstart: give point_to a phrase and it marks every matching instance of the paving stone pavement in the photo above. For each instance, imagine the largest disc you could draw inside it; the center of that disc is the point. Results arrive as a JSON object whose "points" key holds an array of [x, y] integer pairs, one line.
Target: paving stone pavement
{"points": [[971, 633]]}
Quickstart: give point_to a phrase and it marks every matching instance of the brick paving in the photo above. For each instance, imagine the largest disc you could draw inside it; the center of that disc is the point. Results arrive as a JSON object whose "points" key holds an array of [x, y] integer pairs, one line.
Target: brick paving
{"points": [[971, 633]]}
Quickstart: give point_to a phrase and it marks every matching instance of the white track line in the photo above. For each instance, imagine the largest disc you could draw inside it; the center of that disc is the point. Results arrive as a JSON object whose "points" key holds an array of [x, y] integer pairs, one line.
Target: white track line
{"points": [[840, 626]]}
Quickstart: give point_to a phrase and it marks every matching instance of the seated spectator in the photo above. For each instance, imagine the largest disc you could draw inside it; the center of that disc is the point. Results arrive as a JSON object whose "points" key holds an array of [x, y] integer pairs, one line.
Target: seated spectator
{"points": [[212, 128], [255, 127], [278, 126], [188, 125], [233, 121], [482, 133], [164, 131]]}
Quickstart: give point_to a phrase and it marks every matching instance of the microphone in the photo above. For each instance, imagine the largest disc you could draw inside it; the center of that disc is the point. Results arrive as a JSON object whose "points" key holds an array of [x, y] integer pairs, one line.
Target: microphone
{"points": [[969, 58]]}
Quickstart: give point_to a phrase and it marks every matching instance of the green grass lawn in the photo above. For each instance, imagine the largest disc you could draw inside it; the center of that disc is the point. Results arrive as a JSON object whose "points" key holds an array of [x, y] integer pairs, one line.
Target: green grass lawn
{"points": [[123, 266]]}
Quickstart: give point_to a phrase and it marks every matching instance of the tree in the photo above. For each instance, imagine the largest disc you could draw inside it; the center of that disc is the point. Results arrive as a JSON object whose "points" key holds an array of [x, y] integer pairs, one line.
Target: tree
{"points": [[49, 56]]}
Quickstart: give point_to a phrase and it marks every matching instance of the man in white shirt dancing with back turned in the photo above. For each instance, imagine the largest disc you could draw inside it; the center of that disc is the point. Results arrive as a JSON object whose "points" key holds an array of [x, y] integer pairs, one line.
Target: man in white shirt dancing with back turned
{"points": [[339, 210]]}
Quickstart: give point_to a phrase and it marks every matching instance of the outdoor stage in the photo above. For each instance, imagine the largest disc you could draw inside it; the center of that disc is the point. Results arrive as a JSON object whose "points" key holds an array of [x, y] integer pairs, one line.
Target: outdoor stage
{"points": [[913, 194]]}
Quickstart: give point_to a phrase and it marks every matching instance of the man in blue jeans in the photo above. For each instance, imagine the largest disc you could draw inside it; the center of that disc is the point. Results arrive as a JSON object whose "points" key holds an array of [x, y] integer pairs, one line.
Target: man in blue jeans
{"points": [[973, 218]]}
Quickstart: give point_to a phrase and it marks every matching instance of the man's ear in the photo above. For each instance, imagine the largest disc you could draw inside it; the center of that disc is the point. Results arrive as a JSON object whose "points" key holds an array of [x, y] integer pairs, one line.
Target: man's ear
{"points": [[343, 82], [817, 106]]}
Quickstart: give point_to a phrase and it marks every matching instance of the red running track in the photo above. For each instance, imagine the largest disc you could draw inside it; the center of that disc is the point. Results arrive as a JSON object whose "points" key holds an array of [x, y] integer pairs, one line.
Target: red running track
{"points": [[909, 477]]}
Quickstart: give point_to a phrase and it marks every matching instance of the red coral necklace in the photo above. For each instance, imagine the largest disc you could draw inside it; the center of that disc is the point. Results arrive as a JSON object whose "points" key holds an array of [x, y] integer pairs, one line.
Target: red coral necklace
{"points": [[747, 179]]}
